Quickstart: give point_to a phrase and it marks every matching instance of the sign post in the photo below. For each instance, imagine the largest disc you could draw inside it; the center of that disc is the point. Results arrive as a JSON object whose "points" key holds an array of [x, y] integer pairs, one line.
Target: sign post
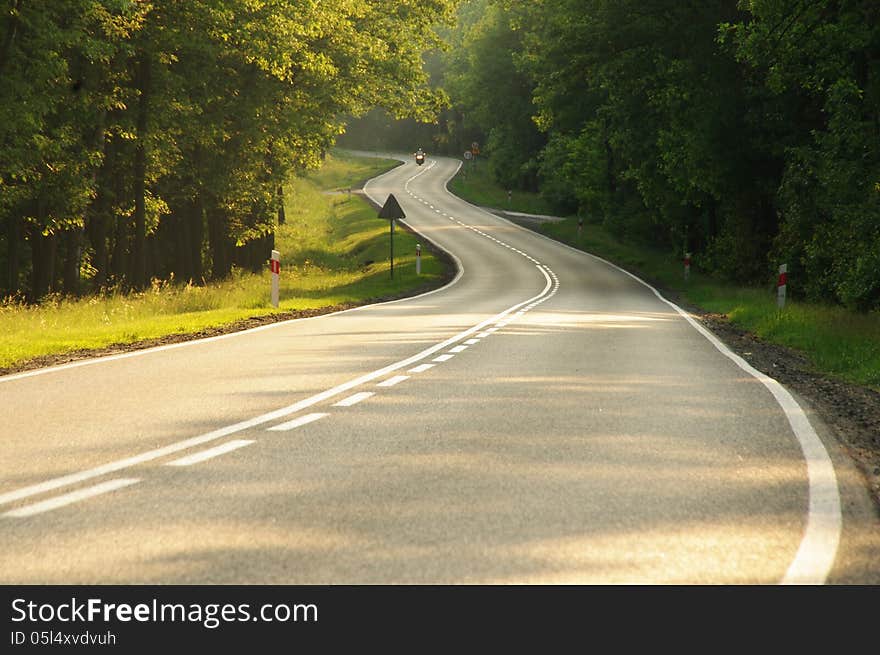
{"points": [[392, 211], [781, 284], [275, 266], [418, 259]]}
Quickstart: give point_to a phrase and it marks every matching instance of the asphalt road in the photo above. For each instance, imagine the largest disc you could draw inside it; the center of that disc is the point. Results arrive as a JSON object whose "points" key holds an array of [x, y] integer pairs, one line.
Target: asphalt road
{"points": [[545, 418]]}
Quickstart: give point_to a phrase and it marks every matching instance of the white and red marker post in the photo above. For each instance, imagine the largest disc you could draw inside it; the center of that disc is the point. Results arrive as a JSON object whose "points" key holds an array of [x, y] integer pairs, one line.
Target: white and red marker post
{"points": [[781, 284], [418, 259], [687, 266], [275, 267]]}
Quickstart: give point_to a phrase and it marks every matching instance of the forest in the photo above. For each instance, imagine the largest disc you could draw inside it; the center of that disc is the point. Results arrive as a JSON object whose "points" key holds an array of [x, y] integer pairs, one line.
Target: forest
{"points": [[152, 139], [745, 132]]}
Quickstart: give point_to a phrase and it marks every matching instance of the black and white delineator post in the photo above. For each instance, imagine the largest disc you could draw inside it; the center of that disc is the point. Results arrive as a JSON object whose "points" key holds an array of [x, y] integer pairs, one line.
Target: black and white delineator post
{"points": [[687, 266], [275, 266], [418, 259], [392, 211], [781, 284]]}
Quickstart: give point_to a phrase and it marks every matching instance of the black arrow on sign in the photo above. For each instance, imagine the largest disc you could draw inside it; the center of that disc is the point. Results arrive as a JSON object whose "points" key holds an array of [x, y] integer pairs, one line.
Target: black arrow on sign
{"points": [[391, 210]]}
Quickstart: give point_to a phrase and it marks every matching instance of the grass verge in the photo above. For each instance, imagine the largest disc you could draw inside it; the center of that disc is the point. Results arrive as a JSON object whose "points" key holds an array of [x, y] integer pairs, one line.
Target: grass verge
{"points": [[334, 253], [834, 340], [474, 183]]}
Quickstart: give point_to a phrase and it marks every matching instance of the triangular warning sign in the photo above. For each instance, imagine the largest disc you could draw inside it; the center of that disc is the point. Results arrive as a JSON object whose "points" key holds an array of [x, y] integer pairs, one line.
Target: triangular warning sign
{"points": [[391, 209]]}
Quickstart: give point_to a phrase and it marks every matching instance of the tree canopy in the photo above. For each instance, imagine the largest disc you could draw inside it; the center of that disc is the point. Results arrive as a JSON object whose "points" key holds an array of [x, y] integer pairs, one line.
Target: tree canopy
{"points": [[746, 132], [151, 138]]}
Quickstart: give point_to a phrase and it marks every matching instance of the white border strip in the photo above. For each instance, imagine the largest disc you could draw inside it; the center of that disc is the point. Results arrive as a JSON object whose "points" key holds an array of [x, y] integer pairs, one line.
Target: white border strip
{"points": [[818, 549]]}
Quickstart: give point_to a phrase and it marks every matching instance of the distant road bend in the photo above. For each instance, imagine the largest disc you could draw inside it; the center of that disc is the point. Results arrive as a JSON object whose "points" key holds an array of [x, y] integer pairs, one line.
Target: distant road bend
{"points": [[544, 418]]}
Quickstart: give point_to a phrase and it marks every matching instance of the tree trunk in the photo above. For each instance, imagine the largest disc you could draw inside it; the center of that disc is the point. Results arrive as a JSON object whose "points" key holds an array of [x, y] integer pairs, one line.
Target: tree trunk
{"points": [[154, 266], [139, 251], [119, 262], [610, 178], [99, 218], [43, 250], [13, 237], [72, 260], [9, 34], [218, 238], [98, 237], [197, 237], [281, 217], [174, 232]]}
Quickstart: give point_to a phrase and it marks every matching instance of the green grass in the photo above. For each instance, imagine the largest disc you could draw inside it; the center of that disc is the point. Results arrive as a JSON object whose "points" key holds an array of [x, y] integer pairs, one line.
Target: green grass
{"points": [[334, 251], [475, 184], [836, 341], [342, 170]]}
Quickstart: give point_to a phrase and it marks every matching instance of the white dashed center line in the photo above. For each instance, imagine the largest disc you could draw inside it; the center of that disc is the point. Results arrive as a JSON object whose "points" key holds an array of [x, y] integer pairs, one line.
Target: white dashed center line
{"points": [[195, 458], [295, 423], [72, 497], [229, 446], [354, 399]]}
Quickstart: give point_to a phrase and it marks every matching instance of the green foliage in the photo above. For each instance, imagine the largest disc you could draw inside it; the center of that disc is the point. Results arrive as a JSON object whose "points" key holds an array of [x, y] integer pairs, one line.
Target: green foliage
{"points": [[334, 251], [150, 139], [743, 131], [493, 95], [834, 339], [477, 184], [821, 56]]}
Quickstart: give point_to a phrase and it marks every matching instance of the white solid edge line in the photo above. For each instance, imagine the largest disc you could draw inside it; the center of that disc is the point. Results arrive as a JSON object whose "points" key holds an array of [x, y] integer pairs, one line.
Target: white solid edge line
{"points": [[354, 399], [210, 453], [54, 483], [818, 548], [268, 326], [72, 497], [298, 422]]}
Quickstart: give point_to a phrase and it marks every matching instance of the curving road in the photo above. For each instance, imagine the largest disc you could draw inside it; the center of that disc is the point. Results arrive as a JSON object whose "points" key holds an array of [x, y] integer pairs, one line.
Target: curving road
{"points": [[545, 418]]}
